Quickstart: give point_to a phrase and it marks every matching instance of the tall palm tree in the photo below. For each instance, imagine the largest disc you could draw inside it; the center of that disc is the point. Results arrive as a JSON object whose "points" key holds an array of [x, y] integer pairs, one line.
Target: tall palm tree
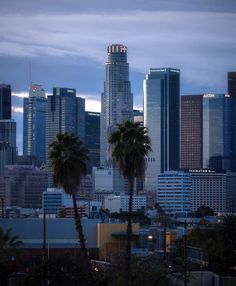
{"points": [[68, 159], [130, 145]]}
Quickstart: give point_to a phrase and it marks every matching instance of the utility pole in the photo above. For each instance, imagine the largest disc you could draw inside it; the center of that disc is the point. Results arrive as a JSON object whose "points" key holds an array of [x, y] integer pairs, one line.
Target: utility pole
{"points": [[2, 206], [185, 253]]}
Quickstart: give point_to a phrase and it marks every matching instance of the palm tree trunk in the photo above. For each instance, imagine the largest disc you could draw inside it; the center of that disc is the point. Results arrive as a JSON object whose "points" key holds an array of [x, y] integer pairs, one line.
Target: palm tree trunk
{"points": [[129, 234], [79, 228]]}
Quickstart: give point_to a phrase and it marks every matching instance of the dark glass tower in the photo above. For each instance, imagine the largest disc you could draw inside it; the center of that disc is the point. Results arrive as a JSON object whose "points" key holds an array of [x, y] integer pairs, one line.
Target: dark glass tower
{"points": [[92, 142], [232, 83], [162, 118], [219, 125], [65, 113], [191, 131], [5, 101], [117, 99], [34, 123]]}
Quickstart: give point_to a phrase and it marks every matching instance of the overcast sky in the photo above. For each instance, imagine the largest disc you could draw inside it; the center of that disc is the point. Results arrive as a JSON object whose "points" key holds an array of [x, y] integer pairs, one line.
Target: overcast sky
{"points": [[66, 40]]}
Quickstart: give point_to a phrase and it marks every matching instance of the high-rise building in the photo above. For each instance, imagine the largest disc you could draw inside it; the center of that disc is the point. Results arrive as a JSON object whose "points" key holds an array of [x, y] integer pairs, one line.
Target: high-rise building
{"points": [[5, 101], [232, 83], [174, 193], [117, 99], [219, 132], [65, 113], [92, 139], [23, 186], [162, 118], [191, 131], [209, 189], [34, 123], [7, 143]]}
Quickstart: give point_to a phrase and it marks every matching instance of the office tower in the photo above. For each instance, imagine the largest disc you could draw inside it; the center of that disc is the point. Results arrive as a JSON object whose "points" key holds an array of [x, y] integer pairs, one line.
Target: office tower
{"points": [[92, 139], [23, 186], [162, 118], [65, 113], [5, 101], [209, 189], [174, 193], [7, 143], [219, 125], [117, 99], [191, 132], [34, 123], [232, 83]]}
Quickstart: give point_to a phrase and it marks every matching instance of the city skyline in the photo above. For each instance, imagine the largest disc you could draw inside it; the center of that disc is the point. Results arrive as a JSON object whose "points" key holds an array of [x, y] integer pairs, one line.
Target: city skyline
{"points": [[66, 44]]}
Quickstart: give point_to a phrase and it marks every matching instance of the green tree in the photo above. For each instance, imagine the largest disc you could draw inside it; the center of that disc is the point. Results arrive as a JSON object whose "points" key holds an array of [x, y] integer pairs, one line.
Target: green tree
{"points": [[68, 159], [130, 145]]}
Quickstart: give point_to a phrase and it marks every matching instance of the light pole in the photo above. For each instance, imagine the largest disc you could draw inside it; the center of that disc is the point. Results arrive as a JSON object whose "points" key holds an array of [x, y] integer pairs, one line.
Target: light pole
{"points": [[2, 206]]}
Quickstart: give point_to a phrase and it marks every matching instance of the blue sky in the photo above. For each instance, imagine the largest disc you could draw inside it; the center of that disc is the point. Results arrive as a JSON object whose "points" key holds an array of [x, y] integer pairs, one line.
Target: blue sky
{"points": [[66, 40]]}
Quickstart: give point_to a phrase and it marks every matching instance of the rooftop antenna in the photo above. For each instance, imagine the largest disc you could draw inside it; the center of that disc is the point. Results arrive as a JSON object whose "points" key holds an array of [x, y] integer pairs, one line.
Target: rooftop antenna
{"points": [[29, 73]]}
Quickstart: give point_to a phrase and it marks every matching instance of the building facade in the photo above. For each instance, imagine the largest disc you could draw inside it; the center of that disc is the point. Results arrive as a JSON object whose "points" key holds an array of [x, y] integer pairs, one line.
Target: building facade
{"points": [[5, 102], [34, 122], [8, 150], [92, 139], [174, 193], [232, 83], [23, 186], [162, 118], [117, 99], [65, 113], [209, 189], [219, 132], [191, 131]]}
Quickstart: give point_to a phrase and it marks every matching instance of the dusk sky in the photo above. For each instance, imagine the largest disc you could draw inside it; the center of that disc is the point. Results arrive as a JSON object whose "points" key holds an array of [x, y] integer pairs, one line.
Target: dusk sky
{"points": [[66, 40]]}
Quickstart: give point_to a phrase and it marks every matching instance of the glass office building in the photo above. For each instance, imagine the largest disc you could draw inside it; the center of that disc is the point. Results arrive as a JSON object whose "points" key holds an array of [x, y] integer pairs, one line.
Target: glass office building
{"points": [[5, 101], [34, 122], [117, 99], [162, 118], [219, 125]]}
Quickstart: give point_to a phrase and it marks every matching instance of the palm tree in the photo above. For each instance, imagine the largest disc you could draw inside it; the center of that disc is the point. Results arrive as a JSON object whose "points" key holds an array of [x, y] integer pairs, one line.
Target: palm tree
{"points": [[8, 241], [68, 158], [130, 145]]}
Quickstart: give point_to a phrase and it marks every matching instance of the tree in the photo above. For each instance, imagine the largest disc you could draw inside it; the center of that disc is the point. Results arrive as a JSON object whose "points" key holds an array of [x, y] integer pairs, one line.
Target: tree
{"points": [[8, 241], [130, 145], [203, 211], [68, 159]]}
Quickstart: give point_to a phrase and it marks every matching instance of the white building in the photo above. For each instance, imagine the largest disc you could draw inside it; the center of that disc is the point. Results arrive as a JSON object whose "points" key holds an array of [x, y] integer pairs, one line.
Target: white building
{"points": [[121, 203], [209, 189], [102, 179], [112, 203], [174, 193]]}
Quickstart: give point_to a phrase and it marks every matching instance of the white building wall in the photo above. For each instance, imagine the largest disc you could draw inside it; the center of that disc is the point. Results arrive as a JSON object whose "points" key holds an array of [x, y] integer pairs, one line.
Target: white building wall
{"points": [[112, 203]]}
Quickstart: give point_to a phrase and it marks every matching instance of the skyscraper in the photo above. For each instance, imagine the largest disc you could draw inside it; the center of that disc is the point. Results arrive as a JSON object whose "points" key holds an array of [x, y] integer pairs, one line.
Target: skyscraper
{"points": [[5, 101], [232, 83], [219, 136], [191, 131], [34, 122], [162, 118], [7, 143], [65, 113], [92, 136], [7, 129], [117, 99]]}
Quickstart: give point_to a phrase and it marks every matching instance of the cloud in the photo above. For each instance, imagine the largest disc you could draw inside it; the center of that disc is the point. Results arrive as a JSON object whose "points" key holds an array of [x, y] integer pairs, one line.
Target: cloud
{"points": [[200, 43], [17, 109], [21, 94]]}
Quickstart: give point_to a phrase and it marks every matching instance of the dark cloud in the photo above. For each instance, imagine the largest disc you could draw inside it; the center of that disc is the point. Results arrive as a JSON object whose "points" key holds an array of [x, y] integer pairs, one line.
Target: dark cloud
{"points": [[61, 6]]}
